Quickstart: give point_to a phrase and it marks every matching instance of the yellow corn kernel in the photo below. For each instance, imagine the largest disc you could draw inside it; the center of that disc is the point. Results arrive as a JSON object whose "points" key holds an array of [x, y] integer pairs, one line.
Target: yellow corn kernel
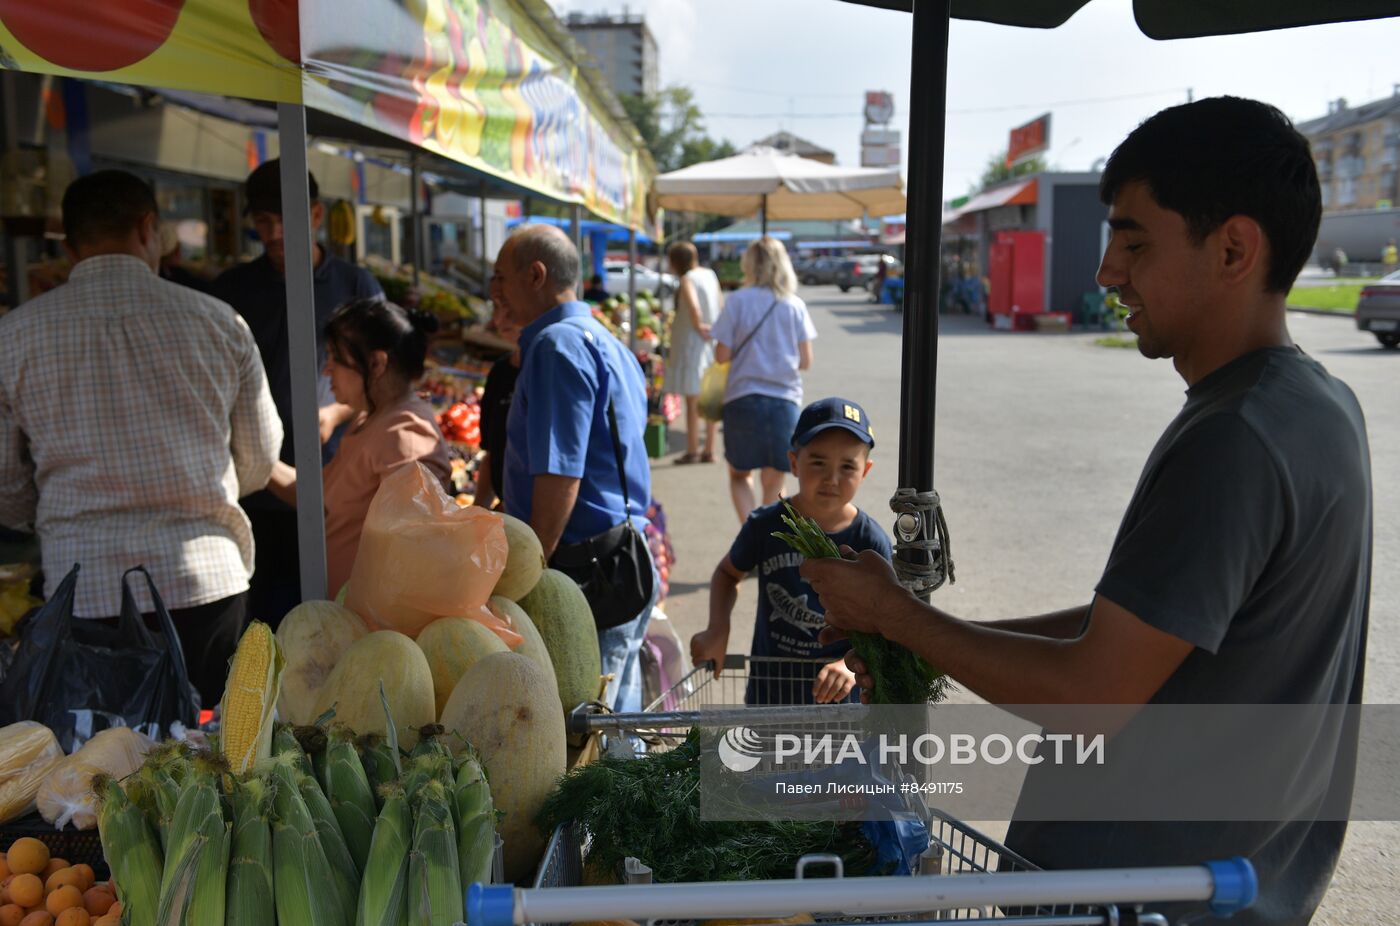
{"points": [[250, 694]]}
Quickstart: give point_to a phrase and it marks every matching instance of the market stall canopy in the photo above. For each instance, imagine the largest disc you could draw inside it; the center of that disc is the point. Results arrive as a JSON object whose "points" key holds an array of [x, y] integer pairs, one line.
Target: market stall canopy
{"points": [[784, 186], [1169, 19], [1018, 193], [496, 87]]}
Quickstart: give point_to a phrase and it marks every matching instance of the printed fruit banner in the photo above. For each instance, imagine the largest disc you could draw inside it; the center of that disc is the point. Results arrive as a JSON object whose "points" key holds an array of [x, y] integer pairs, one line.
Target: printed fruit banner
{"points": [[487, 83]]}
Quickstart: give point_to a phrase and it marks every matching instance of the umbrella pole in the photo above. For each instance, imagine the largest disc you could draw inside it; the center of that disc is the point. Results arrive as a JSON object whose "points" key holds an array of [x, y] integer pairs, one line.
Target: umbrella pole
{"points": [[927, 111], [576, 220], [302, 348], [763, 216]]}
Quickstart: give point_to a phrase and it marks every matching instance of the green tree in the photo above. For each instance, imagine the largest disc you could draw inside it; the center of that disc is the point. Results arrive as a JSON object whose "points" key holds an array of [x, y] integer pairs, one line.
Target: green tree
{"points": [[673, 127], [997, 170]]}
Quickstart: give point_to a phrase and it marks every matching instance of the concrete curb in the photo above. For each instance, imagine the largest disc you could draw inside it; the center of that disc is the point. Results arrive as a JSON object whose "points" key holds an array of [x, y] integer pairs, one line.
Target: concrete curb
{"points": [[1294, 308]]}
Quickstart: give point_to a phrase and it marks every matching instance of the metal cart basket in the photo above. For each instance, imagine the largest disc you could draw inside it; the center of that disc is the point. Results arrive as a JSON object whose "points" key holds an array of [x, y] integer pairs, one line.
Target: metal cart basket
{"points": [[965, 876]]}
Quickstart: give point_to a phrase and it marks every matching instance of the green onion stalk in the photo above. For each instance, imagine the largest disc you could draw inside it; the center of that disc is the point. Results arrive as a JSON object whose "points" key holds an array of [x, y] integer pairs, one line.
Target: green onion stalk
{"points": [[901, 676]]}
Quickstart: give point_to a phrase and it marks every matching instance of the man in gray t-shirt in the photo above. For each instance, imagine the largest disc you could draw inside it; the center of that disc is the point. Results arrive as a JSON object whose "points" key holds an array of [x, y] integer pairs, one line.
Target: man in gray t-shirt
{"points": [[1241, 571]]}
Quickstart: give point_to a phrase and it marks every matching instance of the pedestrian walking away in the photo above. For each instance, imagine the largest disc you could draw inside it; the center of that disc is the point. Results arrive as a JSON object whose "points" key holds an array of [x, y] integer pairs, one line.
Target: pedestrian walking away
{"points": [[698, 300], [766, 336]]}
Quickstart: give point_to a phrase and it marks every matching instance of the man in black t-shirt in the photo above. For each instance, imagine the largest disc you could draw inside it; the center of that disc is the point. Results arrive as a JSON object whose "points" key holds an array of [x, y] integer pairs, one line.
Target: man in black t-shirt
{"points": [[257, 291], [1241, 571]]}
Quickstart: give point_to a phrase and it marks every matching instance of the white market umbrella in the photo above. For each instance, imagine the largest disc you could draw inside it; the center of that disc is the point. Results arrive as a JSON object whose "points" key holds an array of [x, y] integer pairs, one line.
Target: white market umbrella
{"points": [[780, 185]]}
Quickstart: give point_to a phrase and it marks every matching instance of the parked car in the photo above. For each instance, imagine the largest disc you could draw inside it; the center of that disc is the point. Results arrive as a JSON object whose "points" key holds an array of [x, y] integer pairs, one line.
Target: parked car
{"points": [[862, 270], [817, 270], [661, 284], [1378, 310]]}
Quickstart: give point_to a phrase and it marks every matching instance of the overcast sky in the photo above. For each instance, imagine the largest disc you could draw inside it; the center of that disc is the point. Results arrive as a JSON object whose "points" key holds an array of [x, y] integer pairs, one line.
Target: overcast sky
{"points": [[804, 65]]}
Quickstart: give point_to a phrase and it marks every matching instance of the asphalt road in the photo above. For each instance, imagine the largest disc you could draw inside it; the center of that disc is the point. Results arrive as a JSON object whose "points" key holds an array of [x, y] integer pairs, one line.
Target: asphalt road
{"points": [[1040, 439]]}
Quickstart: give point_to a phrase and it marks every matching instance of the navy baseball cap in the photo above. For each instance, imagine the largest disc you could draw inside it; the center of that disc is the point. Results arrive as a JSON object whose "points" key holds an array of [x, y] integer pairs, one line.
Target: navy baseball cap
{"points": [[825, 414]]}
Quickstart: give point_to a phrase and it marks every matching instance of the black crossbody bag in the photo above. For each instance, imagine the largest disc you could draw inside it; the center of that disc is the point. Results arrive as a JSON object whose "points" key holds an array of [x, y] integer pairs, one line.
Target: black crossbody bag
{"points": [[613, 568]]}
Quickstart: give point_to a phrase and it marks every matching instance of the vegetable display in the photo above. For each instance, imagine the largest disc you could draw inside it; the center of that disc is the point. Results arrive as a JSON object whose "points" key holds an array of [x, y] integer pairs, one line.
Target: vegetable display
{"points": [[649, 808], [901, 677]]}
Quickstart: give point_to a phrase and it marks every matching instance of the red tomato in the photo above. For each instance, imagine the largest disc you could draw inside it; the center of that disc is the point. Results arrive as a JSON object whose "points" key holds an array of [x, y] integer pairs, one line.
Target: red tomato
{"points": [[82, 35], [280, 25]]}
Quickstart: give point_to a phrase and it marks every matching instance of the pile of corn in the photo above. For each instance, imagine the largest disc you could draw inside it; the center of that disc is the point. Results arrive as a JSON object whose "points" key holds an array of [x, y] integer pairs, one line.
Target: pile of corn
{"points": [[309, 826]]}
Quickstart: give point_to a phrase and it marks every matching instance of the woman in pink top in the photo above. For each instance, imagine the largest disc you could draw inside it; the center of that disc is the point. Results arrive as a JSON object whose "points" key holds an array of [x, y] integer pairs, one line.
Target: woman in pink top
{"points": [[374, 355]]}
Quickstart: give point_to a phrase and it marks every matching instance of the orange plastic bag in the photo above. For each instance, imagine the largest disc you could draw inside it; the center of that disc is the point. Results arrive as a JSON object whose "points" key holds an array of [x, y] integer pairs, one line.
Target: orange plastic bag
{"points": [[423, 557]]}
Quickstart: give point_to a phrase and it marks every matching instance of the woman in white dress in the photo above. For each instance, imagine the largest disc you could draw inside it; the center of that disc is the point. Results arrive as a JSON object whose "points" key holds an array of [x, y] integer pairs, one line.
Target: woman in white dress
{"points": [[698, 301]]}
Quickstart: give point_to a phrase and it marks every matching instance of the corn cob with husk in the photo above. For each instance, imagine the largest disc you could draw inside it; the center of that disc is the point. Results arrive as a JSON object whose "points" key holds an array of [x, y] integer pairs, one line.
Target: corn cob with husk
{"points": [[384, 887], [347, 790], [343, 868], [284, 742], [249, 895], [312, 739], [378, 760], [194, 878], [476, 821], [250, 696], [305, 895], [156, 787], [132, 849], [434, 875]]}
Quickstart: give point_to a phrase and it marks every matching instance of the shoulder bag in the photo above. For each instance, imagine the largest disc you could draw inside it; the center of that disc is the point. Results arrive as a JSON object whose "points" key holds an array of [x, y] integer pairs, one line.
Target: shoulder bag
{"points": [[716, 379]]}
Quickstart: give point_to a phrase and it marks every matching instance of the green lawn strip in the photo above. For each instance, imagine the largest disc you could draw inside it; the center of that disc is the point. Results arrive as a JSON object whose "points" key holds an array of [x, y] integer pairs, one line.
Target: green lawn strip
{"points": [[1336, 298]]}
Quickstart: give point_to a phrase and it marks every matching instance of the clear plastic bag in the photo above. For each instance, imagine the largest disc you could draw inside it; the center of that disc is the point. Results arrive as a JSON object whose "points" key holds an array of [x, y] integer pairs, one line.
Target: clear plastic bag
{"points": [[422, 557], [66, 796], [28, 752]]}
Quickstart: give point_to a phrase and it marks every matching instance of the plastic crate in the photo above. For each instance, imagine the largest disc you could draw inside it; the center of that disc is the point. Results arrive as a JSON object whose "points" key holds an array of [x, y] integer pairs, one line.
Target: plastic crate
{"points": [[73, 846]]}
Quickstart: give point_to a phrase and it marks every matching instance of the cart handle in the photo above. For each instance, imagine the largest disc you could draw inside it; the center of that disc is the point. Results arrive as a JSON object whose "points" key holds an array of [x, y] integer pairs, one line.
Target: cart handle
{"points": [[1227, 886], [1236, 885]]}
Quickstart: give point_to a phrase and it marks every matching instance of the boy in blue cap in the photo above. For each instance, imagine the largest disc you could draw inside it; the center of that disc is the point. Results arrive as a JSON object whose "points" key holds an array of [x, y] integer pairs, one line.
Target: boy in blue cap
{"points": [[830, 456]]}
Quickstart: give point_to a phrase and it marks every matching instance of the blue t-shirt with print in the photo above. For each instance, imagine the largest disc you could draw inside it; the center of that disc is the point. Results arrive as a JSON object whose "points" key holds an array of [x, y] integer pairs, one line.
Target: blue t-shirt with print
{"points": [[789, 614]]}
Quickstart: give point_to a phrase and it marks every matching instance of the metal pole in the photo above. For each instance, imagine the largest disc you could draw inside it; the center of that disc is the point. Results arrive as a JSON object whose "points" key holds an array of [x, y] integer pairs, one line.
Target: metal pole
{"points": [[301, 345], [576, 220], [481, 242], [927, 102], [632, 289], [414, 215], [763, 216], [16, 269]]}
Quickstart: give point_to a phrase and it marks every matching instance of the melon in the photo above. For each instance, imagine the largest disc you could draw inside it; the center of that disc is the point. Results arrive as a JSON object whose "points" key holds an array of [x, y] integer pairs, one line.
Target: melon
{"points": [[505, 708], [531, 643], [562, 615], [390, 658], [313, 636], [340, 595], [452, 645], [524, 562]]}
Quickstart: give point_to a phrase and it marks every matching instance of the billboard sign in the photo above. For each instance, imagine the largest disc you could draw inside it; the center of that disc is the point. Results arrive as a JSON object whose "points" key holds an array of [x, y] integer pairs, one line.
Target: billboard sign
{"points": [[1028, 140]]}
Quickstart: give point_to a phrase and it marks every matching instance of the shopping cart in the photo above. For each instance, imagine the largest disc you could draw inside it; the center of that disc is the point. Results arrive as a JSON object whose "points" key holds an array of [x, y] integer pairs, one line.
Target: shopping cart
{"points": [[980, 878], [965, 878], [701, 698]]}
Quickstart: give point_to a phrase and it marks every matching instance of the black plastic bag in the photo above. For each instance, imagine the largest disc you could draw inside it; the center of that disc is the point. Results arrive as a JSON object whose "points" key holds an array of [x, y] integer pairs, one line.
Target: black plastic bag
{"points": [[78, 677]]}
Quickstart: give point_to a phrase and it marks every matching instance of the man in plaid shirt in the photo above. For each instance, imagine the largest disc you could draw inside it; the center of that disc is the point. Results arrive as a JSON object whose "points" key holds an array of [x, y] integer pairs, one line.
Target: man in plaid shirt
{"points": [[134, 413]]}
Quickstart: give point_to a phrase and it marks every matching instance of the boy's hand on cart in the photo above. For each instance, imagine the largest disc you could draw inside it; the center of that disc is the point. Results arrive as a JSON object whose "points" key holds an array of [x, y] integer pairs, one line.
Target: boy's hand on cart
{"points": [[834, 683], [709, 646], [857, 592]]}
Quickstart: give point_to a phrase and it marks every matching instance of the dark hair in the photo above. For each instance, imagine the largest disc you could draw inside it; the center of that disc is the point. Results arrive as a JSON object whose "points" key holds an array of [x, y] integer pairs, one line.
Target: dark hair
{"points": [[683, 257], [363, 326], [105, 206], [262, 191], [1216, 158]]}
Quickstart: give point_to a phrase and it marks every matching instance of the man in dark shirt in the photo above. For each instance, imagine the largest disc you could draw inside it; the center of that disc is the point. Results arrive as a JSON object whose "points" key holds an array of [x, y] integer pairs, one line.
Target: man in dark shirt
{"points": [[257, 291], [1241, 571]]}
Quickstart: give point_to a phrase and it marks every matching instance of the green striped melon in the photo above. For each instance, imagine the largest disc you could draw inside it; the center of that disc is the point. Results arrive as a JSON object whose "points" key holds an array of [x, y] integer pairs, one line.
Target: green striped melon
{"points": [[525, 561], [558, 609], [531, 643]]}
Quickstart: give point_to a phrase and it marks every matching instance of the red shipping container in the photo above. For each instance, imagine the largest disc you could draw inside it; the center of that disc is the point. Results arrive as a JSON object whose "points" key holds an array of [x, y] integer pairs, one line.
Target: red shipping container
{"points": [[1016, 266]]}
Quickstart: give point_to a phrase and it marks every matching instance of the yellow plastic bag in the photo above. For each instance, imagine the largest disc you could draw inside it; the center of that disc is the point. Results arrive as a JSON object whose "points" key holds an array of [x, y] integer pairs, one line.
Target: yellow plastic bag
{"points": [[28, 751], [66, 795], [422, 557], [712, 387]]}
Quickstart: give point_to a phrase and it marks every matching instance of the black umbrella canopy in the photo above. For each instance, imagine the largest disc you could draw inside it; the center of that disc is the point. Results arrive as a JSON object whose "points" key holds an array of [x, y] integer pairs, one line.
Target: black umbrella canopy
{"points": [[921, 530], [1170, 19]]}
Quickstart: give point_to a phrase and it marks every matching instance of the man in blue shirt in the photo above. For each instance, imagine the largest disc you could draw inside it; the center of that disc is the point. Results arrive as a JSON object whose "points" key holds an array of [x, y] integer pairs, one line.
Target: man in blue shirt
{"points": [[257, 291], [561, 473]]}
